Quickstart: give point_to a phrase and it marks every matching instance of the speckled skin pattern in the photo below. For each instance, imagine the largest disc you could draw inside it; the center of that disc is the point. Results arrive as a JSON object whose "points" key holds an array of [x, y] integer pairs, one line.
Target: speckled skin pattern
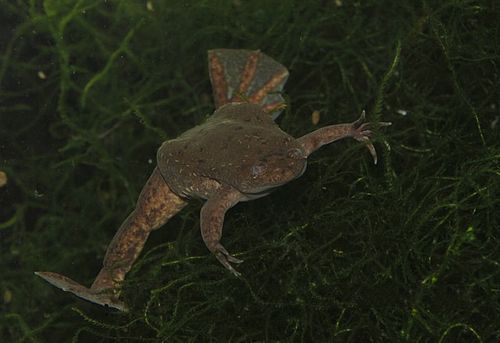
{"points": [[239, 146], [238, 154]]}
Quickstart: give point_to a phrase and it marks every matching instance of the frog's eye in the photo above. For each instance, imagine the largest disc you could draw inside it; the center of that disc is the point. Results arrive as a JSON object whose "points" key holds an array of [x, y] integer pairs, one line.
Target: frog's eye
{"points": [[295, 153], [258, 169]]}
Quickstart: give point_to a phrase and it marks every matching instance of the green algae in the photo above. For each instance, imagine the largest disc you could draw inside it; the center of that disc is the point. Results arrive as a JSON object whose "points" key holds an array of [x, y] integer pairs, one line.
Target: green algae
{"points": [[403, 251]]}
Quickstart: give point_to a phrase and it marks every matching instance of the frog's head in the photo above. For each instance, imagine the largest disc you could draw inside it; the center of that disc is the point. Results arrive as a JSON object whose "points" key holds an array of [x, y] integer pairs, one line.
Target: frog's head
{"points": [[271, 171]]}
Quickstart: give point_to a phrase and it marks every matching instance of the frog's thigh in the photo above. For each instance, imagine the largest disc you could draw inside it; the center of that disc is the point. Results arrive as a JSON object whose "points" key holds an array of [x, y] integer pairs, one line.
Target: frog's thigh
{"points": [[155, 206], [212, 220]]}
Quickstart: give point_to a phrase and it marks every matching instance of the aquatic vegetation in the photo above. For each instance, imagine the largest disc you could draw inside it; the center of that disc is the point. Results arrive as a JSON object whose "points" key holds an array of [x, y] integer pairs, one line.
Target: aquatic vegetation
{"points": [[405, 251]]}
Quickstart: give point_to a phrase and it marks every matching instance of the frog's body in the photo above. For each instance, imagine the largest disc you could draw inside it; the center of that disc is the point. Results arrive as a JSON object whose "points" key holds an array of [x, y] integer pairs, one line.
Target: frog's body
{"points": [[239, 146], [238, 154]]}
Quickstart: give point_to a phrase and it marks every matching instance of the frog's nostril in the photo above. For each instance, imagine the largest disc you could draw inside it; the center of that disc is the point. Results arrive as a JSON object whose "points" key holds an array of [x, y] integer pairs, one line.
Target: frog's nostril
{"points": [[258, 169], [295, 153]]}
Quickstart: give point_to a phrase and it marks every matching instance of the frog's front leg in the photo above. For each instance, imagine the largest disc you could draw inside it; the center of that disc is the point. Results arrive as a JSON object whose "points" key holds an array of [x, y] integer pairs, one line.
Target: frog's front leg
{"points": [[358, 130], [156, 204], [212, 220]]}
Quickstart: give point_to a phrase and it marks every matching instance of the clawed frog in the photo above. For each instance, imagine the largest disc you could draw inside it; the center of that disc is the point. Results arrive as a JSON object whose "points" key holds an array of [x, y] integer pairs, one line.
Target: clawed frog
{"points": [[238, 154]]}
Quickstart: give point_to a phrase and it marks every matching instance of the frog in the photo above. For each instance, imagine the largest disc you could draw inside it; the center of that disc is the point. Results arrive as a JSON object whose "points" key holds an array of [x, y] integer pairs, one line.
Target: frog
{"points": [[238, 154]]}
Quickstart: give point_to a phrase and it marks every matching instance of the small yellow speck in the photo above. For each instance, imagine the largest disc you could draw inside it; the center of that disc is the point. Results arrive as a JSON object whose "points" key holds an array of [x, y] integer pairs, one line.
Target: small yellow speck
{"points": [[7, 296], [315, 116], [3, 178], [149, 6], [41, 75], [469, 234]]}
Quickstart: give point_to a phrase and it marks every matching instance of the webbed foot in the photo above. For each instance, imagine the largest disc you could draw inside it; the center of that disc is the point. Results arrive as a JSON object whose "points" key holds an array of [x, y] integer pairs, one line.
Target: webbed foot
{"points": [[105, 297], [362, 133], [247, 76]]}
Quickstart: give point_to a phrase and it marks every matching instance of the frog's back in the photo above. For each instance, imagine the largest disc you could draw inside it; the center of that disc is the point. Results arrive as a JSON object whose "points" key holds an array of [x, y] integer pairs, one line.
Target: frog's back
{"points": [[229, 148]]}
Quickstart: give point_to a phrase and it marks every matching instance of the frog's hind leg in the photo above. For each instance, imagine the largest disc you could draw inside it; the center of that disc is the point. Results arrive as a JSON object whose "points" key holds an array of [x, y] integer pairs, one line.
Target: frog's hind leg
{"points": [[247, 76], [155, 206]]}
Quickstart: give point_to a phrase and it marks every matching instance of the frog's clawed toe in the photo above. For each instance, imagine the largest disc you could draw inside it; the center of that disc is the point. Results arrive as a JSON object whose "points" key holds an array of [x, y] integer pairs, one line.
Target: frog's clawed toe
{"points": [[362, 133], [101, 297], [226, 259]]}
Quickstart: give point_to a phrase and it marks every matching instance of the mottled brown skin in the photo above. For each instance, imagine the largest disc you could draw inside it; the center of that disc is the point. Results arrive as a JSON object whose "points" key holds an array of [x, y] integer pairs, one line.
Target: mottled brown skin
{"points": [[238, 154]]}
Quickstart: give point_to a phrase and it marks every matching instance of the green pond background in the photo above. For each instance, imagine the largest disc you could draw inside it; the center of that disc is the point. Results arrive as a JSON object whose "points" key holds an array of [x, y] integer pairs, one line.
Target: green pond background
{"points": [[405, 251]]}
